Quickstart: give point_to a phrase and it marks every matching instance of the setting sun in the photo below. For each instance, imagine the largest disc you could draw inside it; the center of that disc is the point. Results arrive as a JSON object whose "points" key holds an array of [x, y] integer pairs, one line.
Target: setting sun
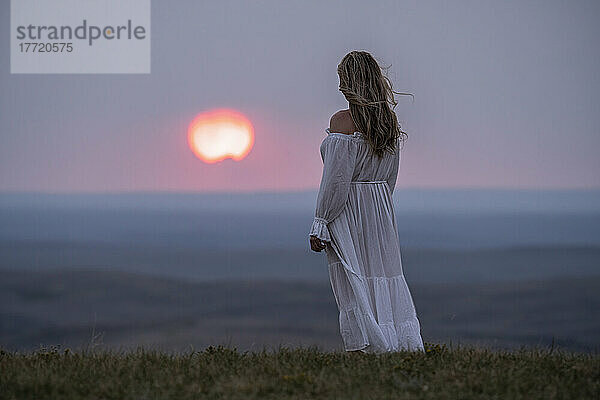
{"points": [[219, 134]]}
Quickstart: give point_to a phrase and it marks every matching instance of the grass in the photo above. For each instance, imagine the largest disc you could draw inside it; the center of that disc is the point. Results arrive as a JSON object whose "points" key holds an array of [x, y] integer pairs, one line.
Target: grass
{"points": [[221, 372]]}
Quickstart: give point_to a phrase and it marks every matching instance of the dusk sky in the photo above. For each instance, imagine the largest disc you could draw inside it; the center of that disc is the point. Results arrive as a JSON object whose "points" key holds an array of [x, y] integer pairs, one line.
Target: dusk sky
{"points": [[507, 94]]}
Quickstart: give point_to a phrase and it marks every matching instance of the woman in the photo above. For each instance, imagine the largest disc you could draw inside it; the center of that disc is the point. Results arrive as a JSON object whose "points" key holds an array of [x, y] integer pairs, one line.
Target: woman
{"points": [[354, 219]]}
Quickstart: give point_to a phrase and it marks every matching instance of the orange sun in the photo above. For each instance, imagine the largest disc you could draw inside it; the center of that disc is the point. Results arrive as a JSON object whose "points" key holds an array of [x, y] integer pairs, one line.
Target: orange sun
{"points": [[219, 134]]}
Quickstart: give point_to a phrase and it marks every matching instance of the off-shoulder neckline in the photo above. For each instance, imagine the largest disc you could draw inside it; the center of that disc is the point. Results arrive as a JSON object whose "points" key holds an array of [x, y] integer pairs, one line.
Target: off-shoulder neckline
{"points": [[356, 134]]}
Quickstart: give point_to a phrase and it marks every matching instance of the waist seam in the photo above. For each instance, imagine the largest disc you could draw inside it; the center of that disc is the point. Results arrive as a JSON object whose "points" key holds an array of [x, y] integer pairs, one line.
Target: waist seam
{"points": [[356, 182]]}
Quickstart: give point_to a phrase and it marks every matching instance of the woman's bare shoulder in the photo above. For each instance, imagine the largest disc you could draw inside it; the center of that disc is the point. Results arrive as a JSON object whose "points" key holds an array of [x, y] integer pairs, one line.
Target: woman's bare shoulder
{"points": [[341, 122]]}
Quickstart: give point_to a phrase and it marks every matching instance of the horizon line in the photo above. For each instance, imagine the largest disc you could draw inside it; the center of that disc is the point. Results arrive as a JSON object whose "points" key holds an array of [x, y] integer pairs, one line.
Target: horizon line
{"points": [[297, 191]]}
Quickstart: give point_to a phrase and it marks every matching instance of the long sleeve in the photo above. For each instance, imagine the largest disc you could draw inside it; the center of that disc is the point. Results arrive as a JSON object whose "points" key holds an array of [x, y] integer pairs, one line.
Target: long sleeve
{"points": [[339, 154], [391, 180]]}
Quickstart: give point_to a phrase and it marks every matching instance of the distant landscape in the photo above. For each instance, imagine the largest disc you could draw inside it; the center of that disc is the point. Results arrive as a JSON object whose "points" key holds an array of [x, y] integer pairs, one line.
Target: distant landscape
{"points": [[76, 308], [180, 271]]}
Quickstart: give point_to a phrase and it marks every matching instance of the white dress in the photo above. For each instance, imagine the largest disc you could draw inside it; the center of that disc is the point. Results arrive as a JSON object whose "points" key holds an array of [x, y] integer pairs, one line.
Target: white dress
{"points": [[355, 216]]}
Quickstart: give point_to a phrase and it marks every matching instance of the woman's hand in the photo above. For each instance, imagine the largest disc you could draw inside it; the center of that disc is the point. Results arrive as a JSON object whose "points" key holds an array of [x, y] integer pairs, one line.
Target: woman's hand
{"points": [[316, 244]]}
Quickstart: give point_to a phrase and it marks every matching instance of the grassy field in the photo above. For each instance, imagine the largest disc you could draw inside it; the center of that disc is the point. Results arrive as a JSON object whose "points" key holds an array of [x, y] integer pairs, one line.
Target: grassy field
{"points": [[441, 372]]}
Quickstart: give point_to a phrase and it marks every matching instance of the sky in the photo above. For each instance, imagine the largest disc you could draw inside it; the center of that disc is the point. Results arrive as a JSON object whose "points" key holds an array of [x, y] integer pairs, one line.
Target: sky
{"points": [[506, 95]]}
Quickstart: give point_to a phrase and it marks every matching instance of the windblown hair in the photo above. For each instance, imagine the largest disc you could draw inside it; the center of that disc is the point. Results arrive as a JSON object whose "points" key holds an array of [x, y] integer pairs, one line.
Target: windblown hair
{"points": [[371, 100]]}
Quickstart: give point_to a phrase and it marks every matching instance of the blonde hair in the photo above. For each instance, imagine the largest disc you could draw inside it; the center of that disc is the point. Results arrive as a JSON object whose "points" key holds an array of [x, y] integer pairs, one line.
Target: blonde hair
{"points": [[371, 100]]}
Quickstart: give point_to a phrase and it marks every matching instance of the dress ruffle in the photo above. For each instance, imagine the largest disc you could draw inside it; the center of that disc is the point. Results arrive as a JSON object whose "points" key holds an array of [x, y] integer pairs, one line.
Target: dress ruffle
{"points": [[359, 332], [320, 230], [390, 323]]}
